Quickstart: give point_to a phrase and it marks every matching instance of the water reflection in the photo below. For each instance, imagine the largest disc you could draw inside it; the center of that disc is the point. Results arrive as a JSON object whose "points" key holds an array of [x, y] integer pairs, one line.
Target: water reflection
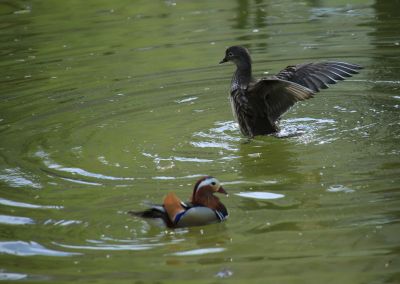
{"points": [[262, 158], [244, 11]]}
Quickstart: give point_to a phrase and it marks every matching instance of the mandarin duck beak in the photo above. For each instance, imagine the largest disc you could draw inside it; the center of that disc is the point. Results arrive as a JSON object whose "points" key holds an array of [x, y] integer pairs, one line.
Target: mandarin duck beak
{"points": [[222, 190]]}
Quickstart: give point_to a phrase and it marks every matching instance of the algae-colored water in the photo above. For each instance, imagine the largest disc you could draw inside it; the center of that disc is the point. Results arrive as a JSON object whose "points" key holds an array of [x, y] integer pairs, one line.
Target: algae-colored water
{"points": [[107, 104]]}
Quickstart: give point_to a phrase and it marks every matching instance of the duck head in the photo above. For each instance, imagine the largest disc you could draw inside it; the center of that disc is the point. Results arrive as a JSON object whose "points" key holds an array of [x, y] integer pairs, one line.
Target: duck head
{"points": [[238, 55], [203, 192]]}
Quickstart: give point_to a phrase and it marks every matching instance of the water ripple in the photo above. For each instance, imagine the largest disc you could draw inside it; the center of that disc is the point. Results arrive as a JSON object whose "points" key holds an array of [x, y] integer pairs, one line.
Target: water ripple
{"points": [[340, 188], [12, 276], [202, 251], [186, 100], [260, 195], [115, 247], [15, 177], [158, 159], [222, 131], [21, 248], [174, 177], [261, 182], [119, 245], [15, 220], [220, 136], [62, 222], [7, 202], [85, 173], [76, 171], [213, 144], [81, 181]]}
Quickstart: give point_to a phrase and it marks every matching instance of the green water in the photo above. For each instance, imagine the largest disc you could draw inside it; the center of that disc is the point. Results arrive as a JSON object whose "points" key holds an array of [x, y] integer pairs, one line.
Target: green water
{"points": [[107, 104]]}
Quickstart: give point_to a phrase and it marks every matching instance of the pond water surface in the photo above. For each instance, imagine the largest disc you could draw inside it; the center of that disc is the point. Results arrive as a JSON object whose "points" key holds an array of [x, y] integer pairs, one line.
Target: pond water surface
{"points": [[108, 104]]}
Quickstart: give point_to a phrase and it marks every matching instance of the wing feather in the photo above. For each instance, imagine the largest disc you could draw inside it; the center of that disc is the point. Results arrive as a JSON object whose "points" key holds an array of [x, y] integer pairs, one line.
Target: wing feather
{"points": [[272, 97], [316, 76]]}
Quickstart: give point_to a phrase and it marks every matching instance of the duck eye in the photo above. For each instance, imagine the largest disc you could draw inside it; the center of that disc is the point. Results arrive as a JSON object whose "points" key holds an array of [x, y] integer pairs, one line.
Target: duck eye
{"points": [[213, 183], [230, 54]]}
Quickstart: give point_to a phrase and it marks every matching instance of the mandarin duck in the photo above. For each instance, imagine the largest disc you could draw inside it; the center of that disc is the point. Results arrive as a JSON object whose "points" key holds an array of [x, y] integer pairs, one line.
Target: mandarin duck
{"points": [[257, 105], [204, 208]]}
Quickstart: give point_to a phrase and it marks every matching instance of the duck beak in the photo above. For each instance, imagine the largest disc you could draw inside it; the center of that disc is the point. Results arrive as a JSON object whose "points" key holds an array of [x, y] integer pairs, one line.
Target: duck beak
{"points": [[223, 60], [222, 190]]}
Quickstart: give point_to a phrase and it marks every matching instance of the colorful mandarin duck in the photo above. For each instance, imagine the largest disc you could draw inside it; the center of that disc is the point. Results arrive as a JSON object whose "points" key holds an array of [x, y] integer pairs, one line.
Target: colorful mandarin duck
{"points": [[204, 208]]}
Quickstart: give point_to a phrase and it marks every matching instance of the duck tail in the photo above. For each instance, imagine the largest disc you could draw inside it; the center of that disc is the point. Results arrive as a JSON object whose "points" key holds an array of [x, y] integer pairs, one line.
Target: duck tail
{"points": [[149, 213], [155, 212]]}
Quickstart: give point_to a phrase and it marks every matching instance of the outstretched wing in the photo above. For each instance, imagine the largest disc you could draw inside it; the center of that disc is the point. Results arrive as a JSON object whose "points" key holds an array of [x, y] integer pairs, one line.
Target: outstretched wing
{"points": [[271, 97], [316, 76]]}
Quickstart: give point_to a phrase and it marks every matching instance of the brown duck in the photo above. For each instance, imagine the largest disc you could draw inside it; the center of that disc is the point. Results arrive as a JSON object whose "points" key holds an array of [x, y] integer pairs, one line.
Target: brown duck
{"points": [[258, 104]]}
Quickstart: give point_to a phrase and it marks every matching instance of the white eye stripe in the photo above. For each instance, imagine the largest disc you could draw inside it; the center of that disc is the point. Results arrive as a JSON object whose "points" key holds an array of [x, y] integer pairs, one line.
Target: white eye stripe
{"points": [[207, 182]]}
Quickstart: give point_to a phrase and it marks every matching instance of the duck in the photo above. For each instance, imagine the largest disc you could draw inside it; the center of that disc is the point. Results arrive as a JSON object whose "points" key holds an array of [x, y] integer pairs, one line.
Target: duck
{"points": [[258, 105], [203, 208]]}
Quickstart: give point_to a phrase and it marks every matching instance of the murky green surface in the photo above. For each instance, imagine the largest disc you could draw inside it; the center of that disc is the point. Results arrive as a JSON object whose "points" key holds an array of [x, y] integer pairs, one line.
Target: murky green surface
{"points": [[107, 104]]}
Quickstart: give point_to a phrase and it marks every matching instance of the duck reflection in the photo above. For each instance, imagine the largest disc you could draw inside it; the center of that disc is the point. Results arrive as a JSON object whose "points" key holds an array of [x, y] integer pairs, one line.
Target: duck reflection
{"points": [[271, 159], [243, 12], [246, 11]]}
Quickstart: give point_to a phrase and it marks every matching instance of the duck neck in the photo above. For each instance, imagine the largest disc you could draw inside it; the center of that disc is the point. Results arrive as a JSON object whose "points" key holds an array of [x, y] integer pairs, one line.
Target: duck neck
{"points": [[205, 198], [242, 76]]}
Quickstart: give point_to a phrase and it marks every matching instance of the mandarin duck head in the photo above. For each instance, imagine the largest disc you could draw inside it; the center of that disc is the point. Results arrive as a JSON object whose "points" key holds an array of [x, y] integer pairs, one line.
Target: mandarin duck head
{"points": [[203, 192]]}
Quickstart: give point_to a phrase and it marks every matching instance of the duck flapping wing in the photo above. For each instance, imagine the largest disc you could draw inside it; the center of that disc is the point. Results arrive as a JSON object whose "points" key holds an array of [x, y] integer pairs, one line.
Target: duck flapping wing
{"points": [[271, 97], [316, 76]]}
